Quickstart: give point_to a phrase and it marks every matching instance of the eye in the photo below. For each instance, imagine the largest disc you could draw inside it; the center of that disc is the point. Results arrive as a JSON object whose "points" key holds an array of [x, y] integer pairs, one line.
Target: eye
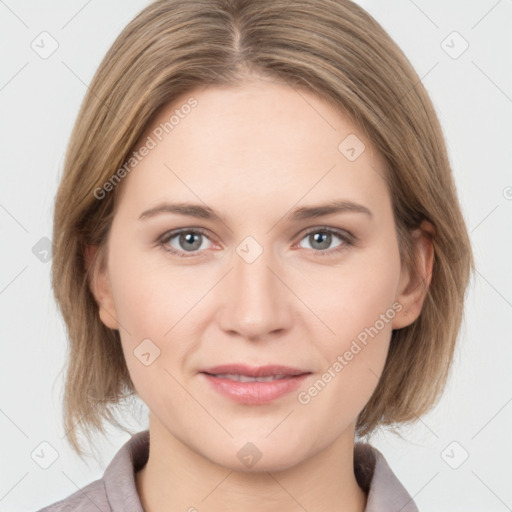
{"points": [[321, 239], [191, 241], [187, 241]]}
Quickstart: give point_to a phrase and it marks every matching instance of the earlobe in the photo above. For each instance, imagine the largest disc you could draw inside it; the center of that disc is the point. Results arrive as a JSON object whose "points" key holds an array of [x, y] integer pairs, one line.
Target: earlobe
{"points": [[100, 285], [414, 283]]}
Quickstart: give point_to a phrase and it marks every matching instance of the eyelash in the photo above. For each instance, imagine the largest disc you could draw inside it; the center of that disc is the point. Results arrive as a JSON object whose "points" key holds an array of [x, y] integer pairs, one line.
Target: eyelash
{"points": [[347, 238]]}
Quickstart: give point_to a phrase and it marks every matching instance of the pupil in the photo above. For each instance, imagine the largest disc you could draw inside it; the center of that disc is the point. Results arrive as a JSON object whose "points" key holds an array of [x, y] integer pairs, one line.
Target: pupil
{"points": [[190, 239], [321, 238], [318, 239]]}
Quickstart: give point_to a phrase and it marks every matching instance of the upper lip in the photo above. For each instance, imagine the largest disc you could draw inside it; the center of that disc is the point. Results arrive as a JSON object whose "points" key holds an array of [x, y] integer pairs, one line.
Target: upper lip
{"points": [[254, 371]]}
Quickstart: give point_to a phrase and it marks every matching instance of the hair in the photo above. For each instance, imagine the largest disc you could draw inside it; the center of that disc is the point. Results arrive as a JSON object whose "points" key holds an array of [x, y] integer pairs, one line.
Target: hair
{"points": [[332, 48]]}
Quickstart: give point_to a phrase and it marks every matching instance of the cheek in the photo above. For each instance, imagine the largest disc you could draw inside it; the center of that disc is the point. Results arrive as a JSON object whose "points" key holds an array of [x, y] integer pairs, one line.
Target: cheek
{"points": [[156, 305], [358, 305], [150, 296], [153, 311], [352, 297], [354, 300]]}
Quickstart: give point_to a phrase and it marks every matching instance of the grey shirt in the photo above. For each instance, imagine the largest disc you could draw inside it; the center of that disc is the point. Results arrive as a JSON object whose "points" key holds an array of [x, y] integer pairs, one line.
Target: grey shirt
{"points": [[117, 492]]}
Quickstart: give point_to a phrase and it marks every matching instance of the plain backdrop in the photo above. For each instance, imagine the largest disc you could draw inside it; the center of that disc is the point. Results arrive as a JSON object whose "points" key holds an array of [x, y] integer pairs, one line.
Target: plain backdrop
{"points": [[458, 457]]}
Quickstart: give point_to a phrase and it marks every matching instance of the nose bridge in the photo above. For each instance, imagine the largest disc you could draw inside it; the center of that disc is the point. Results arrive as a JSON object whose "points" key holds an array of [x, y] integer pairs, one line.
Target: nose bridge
{"points": [[255, 300]]}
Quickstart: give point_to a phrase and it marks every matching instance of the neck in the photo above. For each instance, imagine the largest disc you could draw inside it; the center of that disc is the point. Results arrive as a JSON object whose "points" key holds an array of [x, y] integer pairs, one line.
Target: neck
{"points": [[176, 478]]}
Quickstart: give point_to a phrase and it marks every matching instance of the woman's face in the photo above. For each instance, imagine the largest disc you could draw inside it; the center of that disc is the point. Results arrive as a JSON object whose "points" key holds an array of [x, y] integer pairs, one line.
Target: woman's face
{"points": [[283, 252]]}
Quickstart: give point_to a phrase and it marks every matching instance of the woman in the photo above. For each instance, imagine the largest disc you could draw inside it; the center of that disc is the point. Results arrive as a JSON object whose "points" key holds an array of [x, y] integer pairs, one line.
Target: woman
{"points": [[257, 232]]}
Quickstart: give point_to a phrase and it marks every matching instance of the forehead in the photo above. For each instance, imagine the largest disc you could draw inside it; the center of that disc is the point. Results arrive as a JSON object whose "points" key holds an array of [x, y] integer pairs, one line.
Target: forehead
{"points": [[258, 144]]}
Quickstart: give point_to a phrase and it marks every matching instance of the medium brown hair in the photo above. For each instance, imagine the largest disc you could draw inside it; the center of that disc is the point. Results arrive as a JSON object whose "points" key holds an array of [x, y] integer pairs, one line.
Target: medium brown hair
{"points": [[332, 48]]}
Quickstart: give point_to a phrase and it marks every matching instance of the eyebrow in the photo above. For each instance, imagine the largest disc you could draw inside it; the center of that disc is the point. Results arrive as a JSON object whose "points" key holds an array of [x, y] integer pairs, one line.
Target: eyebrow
{"points": [[302, 213]]}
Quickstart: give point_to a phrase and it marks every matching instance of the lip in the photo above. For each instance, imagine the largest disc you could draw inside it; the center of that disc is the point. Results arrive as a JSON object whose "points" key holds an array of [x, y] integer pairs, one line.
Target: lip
{"points": [[254, 393], [255, 371]]}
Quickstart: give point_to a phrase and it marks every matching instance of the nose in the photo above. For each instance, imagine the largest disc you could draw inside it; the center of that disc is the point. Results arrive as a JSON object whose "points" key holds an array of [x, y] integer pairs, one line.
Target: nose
{"points": [[256, 301]]}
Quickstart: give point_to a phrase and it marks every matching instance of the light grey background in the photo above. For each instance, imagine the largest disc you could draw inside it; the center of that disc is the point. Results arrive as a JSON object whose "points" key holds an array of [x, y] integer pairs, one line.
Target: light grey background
{"points": [[39, 100]]}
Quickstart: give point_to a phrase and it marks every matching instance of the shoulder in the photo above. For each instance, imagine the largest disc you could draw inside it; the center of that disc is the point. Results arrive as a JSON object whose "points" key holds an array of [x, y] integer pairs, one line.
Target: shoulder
{"points": [[92, 497], [385, 493], [116, 491]]}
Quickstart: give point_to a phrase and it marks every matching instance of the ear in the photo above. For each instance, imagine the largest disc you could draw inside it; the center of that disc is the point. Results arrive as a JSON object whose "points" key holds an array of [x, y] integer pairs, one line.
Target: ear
{"points": [[414, 283], [100, 285]]}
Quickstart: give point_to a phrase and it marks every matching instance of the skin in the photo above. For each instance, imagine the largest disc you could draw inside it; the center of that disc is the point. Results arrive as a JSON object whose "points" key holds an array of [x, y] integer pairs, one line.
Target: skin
{"points": [[253, 154]]}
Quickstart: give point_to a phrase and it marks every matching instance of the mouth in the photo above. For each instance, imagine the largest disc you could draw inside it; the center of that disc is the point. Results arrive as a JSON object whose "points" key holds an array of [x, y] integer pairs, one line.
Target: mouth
{"points": [[274, 370], [254, 385], [245, 378]]}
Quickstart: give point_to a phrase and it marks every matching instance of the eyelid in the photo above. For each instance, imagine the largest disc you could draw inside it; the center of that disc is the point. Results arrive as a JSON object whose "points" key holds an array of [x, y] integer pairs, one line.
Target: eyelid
{"points": [[348, 240], [347, 237], [168, 235], [342, 233]]}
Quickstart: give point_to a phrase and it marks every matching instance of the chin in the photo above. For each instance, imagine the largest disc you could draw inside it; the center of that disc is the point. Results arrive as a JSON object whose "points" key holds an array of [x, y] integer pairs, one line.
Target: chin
{"points": [[251, 458]]}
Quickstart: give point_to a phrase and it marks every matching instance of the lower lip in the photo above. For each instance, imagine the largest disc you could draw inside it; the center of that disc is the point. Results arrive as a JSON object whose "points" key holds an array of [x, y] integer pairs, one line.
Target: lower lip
{"points": [[255, 393]]}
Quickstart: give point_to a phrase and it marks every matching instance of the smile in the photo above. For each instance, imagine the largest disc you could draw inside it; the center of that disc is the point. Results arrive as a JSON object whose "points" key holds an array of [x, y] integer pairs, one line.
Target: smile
{"points": [[247, 390], [247, 378]]}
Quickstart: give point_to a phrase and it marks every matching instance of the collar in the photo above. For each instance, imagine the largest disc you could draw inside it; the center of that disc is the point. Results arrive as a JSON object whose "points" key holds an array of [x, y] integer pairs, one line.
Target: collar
{"points": [[384, 491]]}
